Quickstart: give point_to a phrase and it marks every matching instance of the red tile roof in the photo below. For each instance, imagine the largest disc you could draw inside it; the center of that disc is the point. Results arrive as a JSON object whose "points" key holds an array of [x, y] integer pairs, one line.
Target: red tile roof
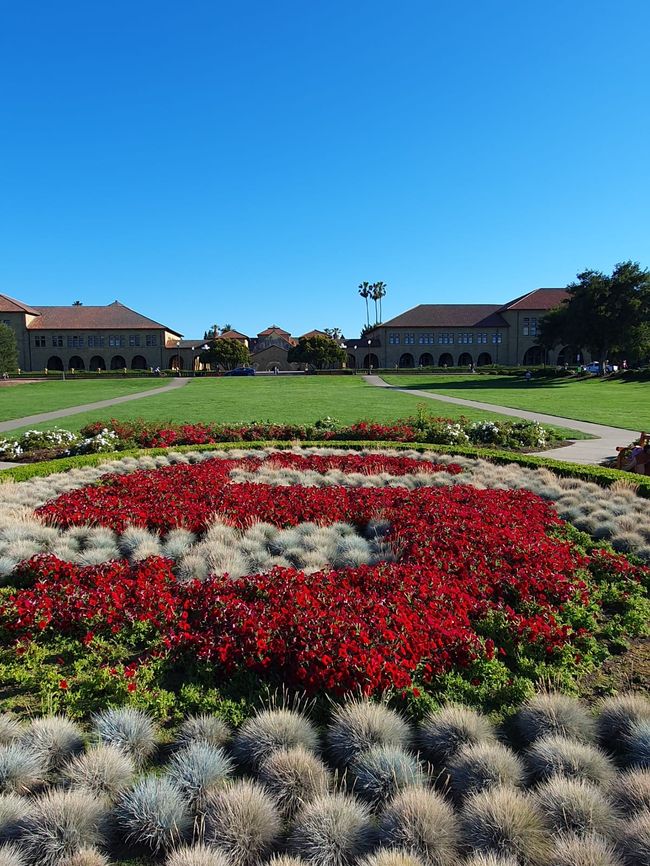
{"points": [[113, 317], [449, 316], [314, 333], [538, 299], [273, 329], [233, 335], [11, 305]]}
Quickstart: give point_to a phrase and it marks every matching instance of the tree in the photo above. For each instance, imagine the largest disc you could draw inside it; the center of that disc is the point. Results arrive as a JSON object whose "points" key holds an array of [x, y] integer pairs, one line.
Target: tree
{"points": [[318, 351], [334, 333], [225, 353], [378, 292], [77, 304], [8, 350], [365, 291], [604, 314]]}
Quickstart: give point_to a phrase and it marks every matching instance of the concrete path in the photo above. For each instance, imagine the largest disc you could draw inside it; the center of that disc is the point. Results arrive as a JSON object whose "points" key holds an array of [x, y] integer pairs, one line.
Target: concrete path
{"points": [[89, 407], [580, 451]]}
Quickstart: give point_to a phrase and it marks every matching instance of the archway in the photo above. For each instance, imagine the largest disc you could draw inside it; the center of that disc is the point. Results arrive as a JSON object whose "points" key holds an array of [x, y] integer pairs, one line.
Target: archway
{"points": [[117, 362], [407, 360], [352, 362], [54, 363], [465, 360], [97, 363], [483, 359], [534, 357], [139, 363], [426, 360], [568, 355], [76, 363], [371, 360], [175, 362], [446, 360]]}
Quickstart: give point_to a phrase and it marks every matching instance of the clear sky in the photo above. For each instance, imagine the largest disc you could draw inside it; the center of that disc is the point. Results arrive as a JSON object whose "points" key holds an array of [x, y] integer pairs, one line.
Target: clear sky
{"points": [[252, 161]]}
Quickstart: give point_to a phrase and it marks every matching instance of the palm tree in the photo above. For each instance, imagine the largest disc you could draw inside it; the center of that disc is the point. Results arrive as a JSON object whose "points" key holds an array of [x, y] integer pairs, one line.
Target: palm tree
{"points": [[365, 290], [378, 292]]}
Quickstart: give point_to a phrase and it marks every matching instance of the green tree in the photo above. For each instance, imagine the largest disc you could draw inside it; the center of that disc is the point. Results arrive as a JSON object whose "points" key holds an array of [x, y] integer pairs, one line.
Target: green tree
{"points": [[603, 313], [378, 292], [8, 350], [225, 353], [365, 290], [334, 333], [320, 352]]}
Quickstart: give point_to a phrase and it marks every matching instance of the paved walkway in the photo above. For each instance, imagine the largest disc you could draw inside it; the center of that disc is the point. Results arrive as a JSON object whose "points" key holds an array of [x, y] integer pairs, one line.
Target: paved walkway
{"points": [[5, 426], [580, 451]]}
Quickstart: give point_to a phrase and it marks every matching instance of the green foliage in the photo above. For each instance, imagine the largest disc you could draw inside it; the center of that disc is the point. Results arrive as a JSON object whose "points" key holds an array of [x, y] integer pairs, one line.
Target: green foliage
{"points": [[604, 313], [225, 353], [8, 350], [319, 351]]}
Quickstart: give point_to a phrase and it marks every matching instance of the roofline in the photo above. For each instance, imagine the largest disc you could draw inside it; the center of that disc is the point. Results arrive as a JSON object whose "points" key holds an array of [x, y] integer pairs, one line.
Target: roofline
{"points": [[24, 307]]}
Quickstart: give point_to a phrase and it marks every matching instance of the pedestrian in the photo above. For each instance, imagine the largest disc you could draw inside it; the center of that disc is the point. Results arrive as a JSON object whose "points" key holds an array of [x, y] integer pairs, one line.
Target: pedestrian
{"points": [[528, 376]]}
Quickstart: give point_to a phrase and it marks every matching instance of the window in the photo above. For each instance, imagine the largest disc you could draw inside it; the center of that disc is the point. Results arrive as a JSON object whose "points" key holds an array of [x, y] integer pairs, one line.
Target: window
{"points": [[152, 339], [533, 327], [75, 342], [115, 341], [393, 339], [95, 342], [134, 340], [409, 339], [39, 342], [481, 338], [497, 338], [466, 338], [526, 327], [57, 342], [425, 339]]}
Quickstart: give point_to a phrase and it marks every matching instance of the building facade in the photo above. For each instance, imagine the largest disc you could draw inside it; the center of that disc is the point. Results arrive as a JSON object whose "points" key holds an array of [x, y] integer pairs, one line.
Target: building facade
{"points": [[464, 335]]}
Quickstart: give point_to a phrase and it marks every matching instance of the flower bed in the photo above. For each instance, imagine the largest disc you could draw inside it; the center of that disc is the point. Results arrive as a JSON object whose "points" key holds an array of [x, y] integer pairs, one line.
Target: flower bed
{"points": [[479, 591]]}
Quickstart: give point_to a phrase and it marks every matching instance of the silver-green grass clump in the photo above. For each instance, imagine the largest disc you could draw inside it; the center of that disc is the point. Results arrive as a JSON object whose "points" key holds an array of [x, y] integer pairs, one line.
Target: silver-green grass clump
{"points": [[153, 814], [294, 777], [576, 806], [270, 730], [333, 830], [127, 729], [443, 732], [558, 755], [243, 821], [103, 771], [60, 824], [553, 713], [197, 770], [381, 771], [360, 725], [422, 823]]}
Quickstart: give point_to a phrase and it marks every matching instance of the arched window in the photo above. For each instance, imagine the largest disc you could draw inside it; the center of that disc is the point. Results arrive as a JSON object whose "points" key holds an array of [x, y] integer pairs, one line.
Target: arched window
{"points": [[117, 362], [483, 359], [534, 357], [175, 362], [426, 360], [97, 363], [54, 363], [76, 363], [371, 360], [406, 360], [352, 362], [139, 363], [465, 360], [446, 360]]}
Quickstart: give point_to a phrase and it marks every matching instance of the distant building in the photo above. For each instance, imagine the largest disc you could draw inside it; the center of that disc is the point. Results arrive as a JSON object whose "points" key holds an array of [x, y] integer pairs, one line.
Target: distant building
{"points": [[462, 335]]}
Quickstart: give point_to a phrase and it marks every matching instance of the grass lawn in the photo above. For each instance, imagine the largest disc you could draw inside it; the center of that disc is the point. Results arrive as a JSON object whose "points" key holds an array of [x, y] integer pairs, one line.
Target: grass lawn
{"points": [[602, 401], [294, 400], [18, 401]]}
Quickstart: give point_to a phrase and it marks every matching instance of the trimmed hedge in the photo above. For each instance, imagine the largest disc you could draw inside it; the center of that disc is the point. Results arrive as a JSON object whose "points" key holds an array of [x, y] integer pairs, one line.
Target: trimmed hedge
{"points": [[596, 474]]}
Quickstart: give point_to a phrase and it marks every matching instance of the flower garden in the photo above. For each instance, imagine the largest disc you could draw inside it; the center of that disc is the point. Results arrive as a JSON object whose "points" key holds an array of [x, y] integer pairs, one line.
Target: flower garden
{"points": [[156, 602]]}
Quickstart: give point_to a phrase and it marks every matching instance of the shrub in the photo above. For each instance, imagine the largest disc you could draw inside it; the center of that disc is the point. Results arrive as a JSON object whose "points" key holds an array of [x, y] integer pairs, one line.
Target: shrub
{"points": [[559, 755], [270, 730], [576, 806], [20, 769], [381, 771], [54, 740], [391, 857], [285, 860], [61, 823], [153, 814], [637, 745], [13, 810], [634, 841], [104, 771], [203, 727], [294, 777], [128, 729], [86, 857], [333, 830], [198, 769], [197, 855], [422, 823], [630, 792], [616, 717], [10, 729], [552, 714], [480, 766], [490, 859], [443, 732], [242, 821], [504, 821], [359, 725], [11, 855], [572, 850]]}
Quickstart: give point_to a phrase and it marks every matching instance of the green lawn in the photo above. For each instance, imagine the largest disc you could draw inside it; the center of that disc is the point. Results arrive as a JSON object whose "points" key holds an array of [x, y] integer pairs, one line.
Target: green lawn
{"points": [[295, 400], [602, 401], [18, 401]]}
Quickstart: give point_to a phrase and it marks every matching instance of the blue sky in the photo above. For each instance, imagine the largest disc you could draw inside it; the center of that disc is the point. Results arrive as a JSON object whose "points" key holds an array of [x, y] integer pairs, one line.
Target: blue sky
{"points": [[251, 162]]}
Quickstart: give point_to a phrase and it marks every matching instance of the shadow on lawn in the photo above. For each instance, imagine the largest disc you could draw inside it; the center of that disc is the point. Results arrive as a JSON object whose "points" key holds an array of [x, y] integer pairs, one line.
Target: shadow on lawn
{"points": [[484, 384]]}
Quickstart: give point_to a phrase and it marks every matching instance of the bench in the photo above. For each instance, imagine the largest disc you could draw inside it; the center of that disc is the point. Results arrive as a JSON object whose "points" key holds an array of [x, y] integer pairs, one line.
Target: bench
{"points": [[623, 450]]}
